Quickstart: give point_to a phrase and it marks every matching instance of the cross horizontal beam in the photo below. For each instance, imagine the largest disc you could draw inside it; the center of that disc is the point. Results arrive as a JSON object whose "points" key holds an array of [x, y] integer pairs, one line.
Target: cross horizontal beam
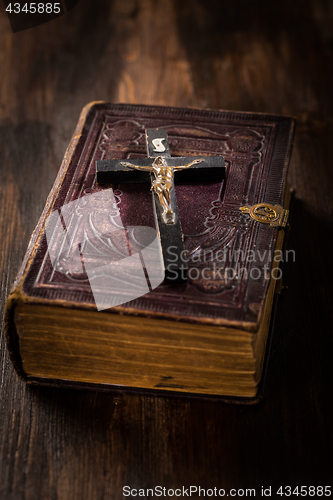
{"points": [[209, 170]]}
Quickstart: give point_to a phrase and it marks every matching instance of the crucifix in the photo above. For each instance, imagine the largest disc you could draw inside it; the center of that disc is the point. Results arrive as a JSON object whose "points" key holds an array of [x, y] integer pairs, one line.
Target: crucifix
{"points": [[159, 169]]}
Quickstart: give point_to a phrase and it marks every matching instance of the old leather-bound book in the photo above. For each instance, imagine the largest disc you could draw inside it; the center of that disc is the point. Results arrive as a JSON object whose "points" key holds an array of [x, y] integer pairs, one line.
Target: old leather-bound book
{"points": [[206, 335]]}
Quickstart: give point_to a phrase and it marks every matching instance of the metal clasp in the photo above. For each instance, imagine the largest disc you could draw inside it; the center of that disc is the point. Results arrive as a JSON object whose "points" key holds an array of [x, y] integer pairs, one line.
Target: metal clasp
{"points": [[275, 215]]}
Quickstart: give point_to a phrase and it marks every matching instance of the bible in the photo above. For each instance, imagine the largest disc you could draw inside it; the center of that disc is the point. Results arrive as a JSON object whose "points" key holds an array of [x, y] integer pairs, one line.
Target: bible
{"points": [[94, 305]]}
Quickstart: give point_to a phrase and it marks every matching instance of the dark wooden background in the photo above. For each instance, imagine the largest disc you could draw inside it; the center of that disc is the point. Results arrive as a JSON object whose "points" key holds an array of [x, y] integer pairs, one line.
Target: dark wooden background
{"points": [[251, 55]]}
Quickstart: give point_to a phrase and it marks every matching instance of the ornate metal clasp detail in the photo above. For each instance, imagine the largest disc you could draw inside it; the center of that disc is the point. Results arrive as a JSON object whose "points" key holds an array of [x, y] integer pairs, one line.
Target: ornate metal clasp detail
{"points": [[275, 215]]}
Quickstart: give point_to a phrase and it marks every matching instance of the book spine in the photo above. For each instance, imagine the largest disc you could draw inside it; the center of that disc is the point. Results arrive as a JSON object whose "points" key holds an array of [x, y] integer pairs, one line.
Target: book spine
{"points": [[33, 243], [16, 294]]}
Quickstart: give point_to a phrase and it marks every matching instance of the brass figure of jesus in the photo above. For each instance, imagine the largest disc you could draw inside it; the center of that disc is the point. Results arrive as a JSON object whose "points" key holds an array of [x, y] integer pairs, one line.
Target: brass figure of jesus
{"points": [[163, 182]]}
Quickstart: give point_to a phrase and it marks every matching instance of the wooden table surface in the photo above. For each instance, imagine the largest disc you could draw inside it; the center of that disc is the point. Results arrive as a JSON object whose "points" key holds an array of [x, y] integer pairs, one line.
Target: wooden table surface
{"points": [[245, 55]]}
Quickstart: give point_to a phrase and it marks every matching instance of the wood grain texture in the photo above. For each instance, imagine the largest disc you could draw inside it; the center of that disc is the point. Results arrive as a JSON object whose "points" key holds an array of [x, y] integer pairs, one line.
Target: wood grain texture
{"points": [[254, 56]]}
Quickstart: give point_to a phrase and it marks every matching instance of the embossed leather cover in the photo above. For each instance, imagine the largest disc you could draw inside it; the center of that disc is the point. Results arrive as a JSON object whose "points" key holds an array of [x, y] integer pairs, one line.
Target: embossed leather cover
{"points": [[256, 148]]}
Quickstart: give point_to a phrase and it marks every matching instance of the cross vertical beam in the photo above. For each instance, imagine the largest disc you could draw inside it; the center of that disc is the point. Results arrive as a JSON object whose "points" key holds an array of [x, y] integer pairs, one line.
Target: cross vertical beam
{"points": [[170, 235]]}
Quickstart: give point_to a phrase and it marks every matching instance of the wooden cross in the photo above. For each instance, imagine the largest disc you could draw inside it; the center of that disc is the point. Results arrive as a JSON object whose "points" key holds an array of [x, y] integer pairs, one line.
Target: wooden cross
{"points": [[159, 169]]}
